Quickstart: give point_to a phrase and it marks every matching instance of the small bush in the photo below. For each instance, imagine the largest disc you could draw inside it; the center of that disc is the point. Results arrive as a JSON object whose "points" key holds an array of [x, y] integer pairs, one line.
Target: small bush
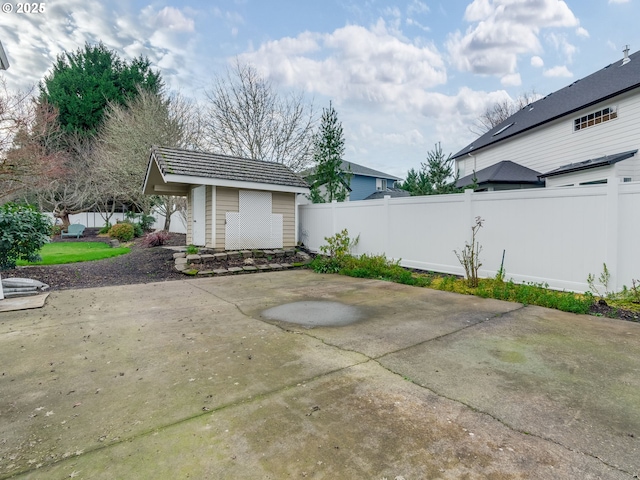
{"points": [[23, 232], [192, 250], [138, 231], [105, 229], [123, 232], [155, 239], [55, 230]]}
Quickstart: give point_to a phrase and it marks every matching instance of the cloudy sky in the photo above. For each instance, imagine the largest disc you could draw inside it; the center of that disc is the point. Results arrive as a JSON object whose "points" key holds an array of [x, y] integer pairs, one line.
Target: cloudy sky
{"points": [[402, 75]]}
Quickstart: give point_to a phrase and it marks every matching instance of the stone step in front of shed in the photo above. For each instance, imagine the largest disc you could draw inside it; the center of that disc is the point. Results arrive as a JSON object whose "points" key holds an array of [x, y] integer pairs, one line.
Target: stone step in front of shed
{"points": [[207, 263]]}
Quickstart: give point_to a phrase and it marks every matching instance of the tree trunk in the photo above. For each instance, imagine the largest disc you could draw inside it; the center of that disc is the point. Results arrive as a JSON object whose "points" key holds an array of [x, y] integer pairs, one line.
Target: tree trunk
{"points": [[167, 221]]}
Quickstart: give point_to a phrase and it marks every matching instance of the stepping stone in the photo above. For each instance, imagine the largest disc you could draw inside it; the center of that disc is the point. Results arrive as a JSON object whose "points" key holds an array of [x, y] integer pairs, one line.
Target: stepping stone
{"points": [[263, 267], [233, 254], [193, 258], [234, 269], [289, 252], [278, 253], [220, 271], [275, 266], [220, 256], [286, 265], [268, 252], [246, 254], [258, 253], [205, 272], [179, 255], [249, 269], [181, 261], [206, 257]]}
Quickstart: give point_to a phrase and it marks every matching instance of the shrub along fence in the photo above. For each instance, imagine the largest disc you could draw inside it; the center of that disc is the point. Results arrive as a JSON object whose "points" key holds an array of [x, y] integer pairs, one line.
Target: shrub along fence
{"points": [[554, 236]]}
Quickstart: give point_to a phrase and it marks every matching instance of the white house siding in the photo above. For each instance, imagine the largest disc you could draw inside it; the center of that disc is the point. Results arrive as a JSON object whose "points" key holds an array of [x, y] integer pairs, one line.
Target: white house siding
{"points": [[227, 200], [285, 204], [556, 144]]}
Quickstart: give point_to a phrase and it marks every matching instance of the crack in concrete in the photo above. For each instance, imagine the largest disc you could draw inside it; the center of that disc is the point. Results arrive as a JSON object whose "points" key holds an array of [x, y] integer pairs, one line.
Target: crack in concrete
{"points": [[367, 359]]}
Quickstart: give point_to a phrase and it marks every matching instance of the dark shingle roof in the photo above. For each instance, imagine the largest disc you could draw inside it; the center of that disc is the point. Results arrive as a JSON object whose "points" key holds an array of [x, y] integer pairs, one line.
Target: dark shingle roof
{"points": [[210, 165], [608, 82], [501, 172], [591, 163], [391, 192], [356, 170]]}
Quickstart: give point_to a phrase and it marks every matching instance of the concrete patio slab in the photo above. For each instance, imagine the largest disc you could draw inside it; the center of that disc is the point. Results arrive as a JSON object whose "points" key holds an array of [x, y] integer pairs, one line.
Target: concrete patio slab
{"points": [[186, 379]]}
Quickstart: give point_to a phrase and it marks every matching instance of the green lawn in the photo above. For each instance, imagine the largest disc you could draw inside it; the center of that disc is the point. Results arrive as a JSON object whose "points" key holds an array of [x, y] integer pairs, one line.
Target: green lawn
{"points": [[72, 252]]}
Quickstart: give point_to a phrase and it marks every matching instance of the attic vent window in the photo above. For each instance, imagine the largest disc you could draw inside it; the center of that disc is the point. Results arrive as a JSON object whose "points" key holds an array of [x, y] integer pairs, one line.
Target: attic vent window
{"points": [[595, 118], [502, 130]]}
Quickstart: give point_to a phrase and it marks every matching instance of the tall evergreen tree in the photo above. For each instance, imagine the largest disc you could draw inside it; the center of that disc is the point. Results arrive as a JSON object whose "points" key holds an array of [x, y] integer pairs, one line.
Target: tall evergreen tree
{"points": [[435, 177], [83, 82], [329, 181]]}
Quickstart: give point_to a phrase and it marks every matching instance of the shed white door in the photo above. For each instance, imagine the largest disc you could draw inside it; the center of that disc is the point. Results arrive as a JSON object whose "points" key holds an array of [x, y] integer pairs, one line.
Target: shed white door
{"points": [[253, 226], [198, 206]]}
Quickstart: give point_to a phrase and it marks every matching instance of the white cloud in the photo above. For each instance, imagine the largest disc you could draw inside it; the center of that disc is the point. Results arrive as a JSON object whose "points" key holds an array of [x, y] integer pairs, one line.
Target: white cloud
{"points": [[582, 32], [417, 7], [165, 36], [173, 19], [561, 43], [503, 29], [557, 71], [537, 62], [353, 62], [619, 1], [511, 80]]}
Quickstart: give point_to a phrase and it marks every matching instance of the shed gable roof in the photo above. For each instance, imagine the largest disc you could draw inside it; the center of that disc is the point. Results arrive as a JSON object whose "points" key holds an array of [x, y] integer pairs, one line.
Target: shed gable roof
{"points": [[612, 80], [190, 163]]}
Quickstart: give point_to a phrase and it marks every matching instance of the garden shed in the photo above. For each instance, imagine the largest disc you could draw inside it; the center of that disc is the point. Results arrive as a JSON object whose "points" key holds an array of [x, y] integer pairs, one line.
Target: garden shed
{"points": [[232, 203]]}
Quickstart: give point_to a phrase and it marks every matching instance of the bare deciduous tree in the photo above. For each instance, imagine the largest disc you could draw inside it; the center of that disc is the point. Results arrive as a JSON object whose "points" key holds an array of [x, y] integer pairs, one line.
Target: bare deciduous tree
{"points": [[246, 117], [123, 144], [29, 157], [500, 111]]}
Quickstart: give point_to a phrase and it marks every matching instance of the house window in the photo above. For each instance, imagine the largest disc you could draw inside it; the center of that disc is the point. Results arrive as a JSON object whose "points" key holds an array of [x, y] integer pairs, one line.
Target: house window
{"points": [[381, 184], [595, 118]]}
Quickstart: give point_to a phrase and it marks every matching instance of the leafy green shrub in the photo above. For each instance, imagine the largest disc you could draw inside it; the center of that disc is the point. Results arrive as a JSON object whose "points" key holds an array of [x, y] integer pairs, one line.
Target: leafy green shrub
{"points": [[336, 253], [105, 229], [123, 232], [155, 239], [137, 230], [192, 250], [55, 230], [23, 232]]}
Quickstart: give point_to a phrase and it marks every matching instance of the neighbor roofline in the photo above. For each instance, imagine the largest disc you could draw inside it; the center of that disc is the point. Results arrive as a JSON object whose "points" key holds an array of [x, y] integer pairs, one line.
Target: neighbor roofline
{"points": [[570, 112]]}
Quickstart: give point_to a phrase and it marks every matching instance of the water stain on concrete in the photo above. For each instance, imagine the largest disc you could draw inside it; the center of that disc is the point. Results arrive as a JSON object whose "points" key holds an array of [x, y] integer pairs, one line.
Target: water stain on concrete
{"points": [[315, 314]]}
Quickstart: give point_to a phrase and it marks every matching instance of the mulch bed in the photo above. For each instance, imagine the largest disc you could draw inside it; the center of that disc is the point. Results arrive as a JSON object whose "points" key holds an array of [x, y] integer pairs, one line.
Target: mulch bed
{"points": [[141, 265]]}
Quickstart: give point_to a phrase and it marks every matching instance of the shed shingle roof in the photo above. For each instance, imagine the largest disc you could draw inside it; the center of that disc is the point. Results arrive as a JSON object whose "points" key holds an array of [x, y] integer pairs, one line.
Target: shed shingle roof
{"points": [[608, 82], [192, 163]]}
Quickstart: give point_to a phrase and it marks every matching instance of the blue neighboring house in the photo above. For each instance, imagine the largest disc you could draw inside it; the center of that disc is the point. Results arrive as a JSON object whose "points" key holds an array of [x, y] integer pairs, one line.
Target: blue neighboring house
{"points": [[366, 182]]}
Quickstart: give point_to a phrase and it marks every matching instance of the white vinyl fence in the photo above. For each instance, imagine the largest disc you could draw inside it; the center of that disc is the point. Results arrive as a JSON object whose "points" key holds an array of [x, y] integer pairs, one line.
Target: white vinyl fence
{"points": [[94, 220], [556, 236]]}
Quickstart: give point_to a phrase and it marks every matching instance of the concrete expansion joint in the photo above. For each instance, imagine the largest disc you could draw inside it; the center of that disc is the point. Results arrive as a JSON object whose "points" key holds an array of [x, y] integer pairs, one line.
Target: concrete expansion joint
{"points": [[502, 422]]}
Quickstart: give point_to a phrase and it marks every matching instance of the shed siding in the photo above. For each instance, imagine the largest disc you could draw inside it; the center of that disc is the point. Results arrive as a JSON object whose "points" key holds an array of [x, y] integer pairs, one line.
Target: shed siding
{"points": [[556, 144], [226, 201], [285, 204]]}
